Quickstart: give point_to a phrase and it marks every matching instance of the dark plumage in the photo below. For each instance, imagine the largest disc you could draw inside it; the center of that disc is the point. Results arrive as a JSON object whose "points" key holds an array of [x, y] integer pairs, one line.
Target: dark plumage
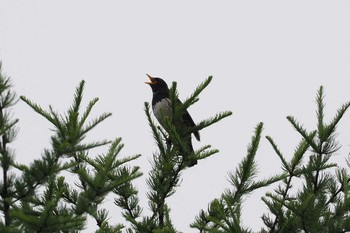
{"points": [[161, 105]]}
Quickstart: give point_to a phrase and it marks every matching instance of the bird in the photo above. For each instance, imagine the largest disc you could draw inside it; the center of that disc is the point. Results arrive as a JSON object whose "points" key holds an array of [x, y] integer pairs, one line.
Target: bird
{"points": [[161, 106]]}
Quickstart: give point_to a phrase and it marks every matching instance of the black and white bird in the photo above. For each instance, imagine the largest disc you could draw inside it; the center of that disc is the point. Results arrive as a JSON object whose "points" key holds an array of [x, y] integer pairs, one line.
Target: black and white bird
{"points": [[161, 106]]}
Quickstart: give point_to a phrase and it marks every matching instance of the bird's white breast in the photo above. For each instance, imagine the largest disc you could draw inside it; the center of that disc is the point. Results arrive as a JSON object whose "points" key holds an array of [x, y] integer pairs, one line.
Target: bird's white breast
{"points": [[162, 109]]}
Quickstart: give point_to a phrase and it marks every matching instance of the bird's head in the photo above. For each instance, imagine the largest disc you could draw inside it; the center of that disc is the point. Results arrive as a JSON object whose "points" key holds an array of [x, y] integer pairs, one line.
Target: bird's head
{"points": [[157, 84]]}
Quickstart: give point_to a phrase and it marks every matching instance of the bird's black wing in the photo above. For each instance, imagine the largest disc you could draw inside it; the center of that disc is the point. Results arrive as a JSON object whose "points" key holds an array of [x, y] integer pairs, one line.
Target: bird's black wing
{"points": [[188, 121]]}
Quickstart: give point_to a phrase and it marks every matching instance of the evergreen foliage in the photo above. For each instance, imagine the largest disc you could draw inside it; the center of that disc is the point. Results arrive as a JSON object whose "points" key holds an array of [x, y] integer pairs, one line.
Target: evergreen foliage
{"points": [[321, 204], [311, 192], [40, 199]]}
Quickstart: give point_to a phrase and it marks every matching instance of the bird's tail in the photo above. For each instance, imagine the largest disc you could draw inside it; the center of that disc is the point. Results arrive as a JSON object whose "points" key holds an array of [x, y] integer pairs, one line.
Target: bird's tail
{"points": [[189, 158]]}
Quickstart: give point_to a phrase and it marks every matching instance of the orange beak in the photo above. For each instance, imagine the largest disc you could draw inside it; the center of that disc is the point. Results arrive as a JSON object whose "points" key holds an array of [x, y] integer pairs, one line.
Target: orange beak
{"points": [[152, 80]]}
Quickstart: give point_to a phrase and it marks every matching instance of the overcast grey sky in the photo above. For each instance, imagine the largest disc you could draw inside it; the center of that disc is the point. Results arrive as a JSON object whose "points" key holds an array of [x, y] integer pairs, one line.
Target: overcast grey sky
{"points": [[268, 59]]}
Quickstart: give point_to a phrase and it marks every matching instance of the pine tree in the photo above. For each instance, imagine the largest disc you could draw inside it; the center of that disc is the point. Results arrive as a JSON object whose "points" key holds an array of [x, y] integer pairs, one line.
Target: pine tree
{"points": [[321, 204], [8, 133], [167, 165], [39, 198]]}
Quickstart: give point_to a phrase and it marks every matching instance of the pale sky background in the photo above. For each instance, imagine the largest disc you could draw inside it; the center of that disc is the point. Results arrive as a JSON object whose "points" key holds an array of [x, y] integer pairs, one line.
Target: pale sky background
{"points": [[268, 59]]}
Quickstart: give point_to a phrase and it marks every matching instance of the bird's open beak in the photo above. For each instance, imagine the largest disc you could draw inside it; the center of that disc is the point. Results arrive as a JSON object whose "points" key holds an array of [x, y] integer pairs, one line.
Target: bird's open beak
{"points": [[152, 80]]}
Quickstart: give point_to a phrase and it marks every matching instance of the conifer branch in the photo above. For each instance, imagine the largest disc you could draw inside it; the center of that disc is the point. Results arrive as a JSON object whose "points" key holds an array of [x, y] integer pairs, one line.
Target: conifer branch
{"points": [[303, 132], [247, 170], [194, 96], [224, 214], [39, 110], [94, 122], [279, 153], [319, 112], [154, 129], [108, 173], [7, 134], [208, 122], [299, 153], [87, 112], [305, 210]]}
